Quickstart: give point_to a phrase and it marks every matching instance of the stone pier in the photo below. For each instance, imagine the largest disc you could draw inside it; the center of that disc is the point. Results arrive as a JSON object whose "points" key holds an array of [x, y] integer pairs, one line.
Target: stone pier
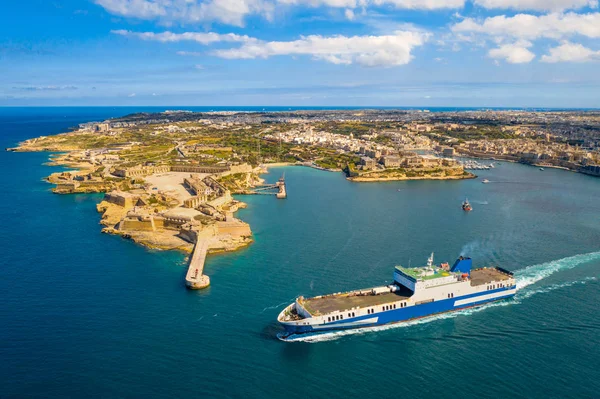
{"points": [[195, 279]]}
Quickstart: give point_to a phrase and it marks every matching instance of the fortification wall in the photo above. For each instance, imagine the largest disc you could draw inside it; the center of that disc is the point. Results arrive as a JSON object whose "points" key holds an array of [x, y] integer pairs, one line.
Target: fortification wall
{"points": [[122, 199], [199, 168], [243, 168], [137, 224], [159, 222], [66, 187], [235, 229], [188, 235]]}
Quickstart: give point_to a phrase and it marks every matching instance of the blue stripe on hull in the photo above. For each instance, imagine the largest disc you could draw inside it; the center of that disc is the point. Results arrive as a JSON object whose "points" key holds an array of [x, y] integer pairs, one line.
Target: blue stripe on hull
{"points": [[403, 314]]}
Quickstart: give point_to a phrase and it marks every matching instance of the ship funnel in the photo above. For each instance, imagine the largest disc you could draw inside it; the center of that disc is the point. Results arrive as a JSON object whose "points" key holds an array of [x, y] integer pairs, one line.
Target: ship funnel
{"points": [[462, 265]]}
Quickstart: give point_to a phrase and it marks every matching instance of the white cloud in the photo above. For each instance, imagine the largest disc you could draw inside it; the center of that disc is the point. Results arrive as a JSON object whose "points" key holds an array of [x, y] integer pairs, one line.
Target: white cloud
{"points": [[513, 35], [189, 53], [516, 53], [571, 52], [349, 14], [422, 4], [230, 12], [404, 4], [387, 50], [531, 27], [528, 26], [199, 37], [233, 12], [538, 5], [320, 3], [131, 95]]}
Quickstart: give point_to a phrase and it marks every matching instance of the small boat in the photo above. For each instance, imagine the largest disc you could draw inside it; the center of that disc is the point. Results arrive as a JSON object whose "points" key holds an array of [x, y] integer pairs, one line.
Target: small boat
{"points": [[466, 206], [541, 168], [485, 181]]}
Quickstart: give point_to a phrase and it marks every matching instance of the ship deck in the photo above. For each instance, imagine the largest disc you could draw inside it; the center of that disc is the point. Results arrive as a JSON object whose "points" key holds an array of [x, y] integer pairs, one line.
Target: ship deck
{"points": [[486, 276], [346, 301], [342, 302]]}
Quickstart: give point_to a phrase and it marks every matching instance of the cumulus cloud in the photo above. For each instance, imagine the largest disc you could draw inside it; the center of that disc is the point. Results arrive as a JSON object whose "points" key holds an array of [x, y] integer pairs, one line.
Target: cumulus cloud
{"points": [[404, 4], [516, 53], [387, 50], [532, 27], [538, 5], [571, 52], [233, 12], [230, 12], [514, 35], [422, 4], [327, 3], [199, 37]]}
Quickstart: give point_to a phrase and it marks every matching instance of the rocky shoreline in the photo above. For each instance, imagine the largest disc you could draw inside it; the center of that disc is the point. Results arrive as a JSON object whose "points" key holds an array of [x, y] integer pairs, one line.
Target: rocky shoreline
{"points": [[404, 178], [224, 235]]}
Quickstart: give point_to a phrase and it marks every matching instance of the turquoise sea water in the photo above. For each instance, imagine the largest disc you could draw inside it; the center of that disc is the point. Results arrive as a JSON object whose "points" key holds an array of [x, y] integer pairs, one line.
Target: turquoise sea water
{"points": [[87, 314]]}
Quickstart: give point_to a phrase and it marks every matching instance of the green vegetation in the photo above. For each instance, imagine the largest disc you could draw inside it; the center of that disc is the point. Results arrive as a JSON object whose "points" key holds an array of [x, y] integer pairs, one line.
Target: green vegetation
{"points": [[488, 132], [336, 161]]}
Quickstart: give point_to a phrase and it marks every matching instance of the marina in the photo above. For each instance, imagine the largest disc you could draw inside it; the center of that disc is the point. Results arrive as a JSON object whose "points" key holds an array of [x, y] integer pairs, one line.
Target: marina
{"points": [[471, 164]]}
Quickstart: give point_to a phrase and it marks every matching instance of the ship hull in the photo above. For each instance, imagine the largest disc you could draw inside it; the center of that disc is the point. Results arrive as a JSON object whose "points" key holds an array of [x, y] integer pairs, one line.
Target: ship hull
{"points": [[403, 314]]}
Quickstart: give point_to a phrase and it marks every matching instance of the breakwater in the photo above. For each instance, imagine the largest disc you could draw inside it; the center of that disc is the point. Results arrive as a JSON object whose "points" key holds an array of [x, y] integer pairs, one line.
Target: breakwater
{"points": [[195, 277]]}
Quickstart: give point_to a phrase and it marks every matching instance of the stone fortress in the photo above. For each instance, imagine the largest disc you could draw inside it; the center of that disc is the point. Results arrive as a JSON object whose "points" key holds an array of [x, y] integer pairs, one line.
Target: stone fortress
{"points": [[178, 207]]}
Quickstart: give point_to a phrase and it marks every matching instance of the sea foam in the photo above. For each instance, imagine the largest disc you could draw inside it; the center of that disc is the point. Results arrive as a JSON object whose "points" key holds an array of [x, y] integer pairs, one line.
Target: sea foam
{"points": [[524, 277], [533, 274]]}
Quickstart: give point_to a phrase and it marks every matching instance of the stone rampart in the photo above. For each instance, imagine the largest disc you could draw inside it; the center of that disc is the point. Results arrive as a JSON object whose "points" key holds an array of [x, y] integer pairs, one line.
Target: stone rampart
{"points": [[199, 169], [234, 228], [125, 200]]}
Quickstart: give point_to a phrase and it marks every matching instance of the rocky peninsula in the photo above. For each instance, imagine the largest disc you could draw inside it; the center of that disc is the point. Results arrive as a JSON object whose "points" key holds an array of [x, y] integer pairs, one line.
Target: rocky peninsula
{"points": [[169, 178]]}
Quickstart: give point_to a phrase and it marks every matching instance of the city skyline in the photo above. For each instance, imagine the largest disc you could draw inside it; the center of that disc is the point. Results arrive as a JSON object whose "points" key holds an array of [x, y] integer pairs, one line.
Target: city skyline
{"points": [[483, 53]]}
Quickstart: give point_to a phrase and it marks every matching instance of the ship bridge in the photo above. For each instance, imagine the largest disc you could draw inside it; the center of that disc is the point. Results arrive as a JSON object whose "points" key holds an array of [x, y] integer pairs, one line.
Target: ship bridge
{"points": [[423, 277]]}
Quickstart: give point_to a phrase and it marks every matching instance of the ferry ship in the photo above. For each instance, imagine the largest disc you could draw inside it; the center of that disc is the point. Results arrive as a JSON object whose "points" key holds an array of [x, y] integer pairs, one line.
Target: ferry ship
{"points": [[415, 293]]}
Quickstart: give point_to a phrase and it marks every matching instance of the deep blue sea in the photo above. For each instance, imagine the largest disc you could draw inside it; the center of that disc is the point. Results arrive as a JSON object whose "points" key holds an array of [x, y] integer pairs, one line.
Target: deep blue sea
{"points": [[83, 314]]}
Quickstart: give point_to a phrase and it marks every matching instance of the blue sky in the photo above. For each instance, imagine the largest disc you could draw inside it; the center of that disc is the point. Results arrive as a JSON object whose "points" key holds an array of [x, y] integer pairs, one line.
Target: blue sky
{"points": [[514, 53]]}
